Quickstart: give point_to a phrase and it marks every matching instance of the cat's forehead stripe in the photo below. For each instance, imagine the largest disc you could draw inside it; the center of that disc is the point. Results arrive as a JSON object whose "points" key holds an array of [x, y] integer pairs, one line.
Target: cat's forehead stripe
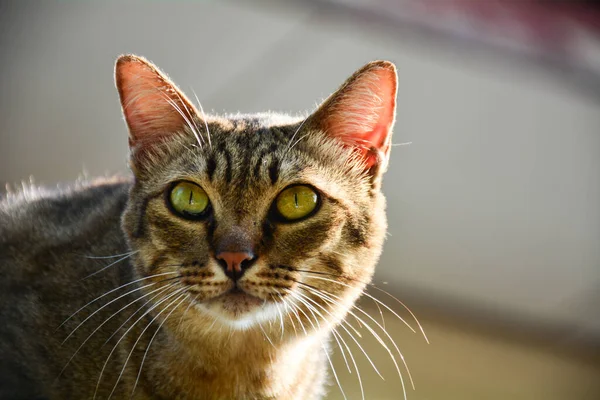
{"points": [[211, 166], [242, 157], [227, 161], [274, 170]]}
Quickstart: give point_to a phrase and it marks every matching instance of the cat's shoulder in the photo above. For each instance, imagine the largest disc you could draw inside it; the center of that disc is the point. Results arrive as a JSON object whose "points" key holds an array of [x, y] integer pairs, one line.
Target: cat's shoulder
{"points": [[40, 210]]}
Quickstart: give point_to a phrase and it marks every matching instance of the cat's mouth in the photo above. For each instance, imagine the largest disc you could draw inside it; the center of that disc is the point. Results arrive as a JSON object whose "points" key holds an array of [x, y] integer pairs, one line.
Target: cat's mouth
{"points": [[234, 304], [239, 295], [237, 291]]}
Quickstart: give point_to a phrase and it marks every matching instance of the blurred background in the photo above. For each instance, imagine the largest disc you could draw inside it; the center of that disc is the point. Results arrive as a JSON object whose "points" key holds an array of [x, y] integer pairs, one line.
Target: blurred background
{"points": [[494, 185]]}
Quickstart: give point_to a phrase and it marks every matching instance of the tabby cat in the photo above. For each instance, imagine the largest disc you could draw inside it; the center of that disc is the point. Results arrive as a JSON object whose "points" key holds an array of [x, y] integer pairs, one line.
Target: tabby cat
{"points": [[218, 271]]}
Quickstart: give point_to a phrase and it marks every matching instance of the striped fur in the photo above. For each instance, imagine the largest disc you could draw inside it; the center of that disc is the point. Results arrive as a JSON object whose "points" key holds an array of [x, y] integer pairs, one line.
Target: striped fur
{"points": [[203, 341]]}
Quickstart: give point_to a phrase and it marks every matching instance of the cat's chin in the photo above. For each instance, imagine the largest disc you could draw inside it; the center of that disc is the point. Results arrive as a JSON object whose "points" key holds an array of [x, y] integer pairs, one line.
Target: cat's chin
{"points": [[238, 309]]}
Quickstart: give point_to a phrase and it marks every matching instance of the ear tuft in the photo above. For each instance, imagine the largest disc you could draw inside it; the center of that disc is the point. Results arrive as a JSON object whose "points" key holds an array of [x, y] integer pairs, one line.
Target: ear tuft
{"points": [[361, 113]]}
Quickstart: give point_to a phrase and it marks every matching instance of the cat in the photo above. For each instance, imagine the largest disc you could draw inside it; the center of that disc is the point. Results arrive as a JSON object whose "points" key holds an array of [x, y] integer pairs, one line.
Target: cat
{"points": [[218, 270]]}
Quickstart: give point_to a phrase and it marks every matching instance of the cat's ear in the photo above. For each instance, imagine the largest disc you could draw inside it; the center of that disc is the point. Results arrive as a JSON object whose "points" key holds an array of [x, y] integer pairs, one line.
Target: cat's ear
{"points": [[153, 107], [361, 113]]}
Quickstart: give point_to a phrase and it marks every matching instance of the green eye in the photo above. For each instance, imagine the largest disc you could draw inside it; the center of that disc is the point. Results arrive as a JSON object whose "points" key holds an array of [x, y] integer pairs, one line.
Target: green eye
{"points": [[296, 202], [188, 199]]}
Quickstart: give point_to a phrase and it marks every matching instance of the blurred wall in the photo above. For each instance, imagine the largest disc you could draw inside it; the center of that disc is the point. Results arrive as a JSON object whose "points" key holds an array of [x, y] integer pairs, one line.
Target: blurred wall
{"points": [[493, 205]]}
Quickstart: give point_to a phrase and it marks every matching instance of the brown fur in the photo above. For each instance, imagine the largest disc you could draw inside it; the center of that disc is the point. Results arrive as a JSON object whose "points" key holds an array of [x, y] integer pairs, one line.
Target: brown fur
{"points": [[209, 343]]}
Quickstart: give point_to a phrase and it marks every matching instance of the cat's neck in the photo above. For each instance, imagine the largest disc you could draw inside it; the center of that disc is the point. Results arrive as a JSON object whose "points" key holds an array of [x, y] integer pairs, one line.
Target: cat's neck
{"points": [[228, 363]]}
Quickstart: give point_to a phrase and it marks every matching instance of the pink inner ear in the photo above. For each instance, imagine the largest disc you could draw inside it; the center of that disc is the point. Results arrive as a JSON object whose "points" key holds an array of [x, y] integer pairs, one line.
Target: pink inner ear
{"points": [[152, 106], [363, 114]]}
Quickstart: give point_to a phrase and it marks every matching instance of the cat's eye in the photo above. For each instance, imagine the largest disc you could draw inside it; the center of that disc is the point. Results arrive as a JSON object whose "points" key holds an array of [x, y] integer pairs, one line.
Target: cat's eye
{"points": [[189, 200], [296, 202]]}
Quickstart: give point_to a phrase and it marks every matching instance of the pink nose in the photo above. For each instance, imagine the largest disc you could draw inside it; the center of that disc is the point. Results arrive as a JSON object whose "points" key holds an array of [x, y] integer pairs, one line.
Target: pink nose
{"points": [[235, 263]]}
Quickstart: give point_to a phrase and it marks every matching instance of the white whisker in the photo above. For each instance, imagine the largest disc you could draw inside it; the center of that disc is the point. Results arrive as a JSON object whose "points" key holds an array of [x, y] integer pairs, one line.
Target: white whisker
{"points": [[286, 306], [325, 350], [359, 346], [291, 141], [185, 118], [104, 306], [160, 290], [113, 256], [112, 291], [406, 308], [110, 265], [325, 295], [295, 311], [192, 302], [335, 337], [280, 319], [152, 339], [266, 336], [333, 331], [369, 296], [125, 334], [362, 389], [378, 301], [142, 307], [203, 118], [189, 114]]}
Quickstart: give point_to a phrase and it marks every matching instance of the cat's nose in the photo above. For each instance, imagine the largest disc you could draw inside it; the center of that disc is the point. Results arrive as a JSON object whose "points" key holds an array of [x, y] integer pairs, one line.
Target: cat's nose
{"points": [[235, 263]]}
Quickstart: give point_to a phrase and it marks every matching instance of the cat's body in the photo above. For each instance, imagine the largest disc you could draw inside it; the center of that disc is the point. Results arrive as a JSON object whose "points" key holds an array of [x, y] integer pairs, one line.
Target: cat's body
{"points": [[42, 276], [110, 288]]}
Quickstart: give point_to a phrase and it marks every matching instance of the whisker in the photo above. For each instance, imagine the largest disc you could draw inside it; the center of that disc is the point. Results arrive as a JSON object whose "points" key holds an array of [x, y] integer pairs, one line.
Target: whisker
{"points": [[286, 306], [369, 296], [325, 350], [308, 306], [406, 308], [192, 302], [333, 370], [381, 314], [109, 303], [189, 113], [357, 344], [151, 340], [142, 307], [336, 333], [185, 118], [212, 325], [291, 142], [325, 296], [112, 291], [295, 133], [298, 141], [109, 265], [266, 336], [127, 331], [113, 256], [280, 319], [139, 338], [379, 289], [204, 118], [295, 311], [335, 337], [104, 322], [362, 390]]}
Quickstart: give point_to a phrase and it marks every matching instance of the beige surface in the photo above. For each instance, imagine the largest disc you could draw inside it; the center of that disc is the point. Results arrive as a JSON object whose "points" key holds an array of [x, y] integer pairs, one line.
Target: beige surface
{"points": [[462, 364]]}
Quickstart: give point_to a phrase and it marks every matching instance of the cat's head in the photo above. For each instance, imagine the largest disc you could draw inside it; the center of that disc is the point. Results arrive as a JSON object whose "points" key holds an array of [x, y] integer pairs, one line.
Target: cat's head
{"points": [[245, 219]]}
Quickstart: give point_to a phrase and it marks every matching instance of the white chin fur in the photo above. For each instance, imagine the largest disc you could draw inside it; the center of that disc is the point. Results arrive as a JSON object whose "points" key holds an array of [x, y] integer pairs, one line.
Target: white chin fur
{"points": [[243, 320]]}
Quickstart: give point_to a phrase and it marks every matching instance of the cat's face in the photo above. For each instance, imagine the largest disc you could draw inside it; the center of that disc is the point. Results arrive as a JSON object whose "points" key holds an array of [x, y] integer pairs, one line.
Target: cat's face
{"points": [[263, 217]]}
